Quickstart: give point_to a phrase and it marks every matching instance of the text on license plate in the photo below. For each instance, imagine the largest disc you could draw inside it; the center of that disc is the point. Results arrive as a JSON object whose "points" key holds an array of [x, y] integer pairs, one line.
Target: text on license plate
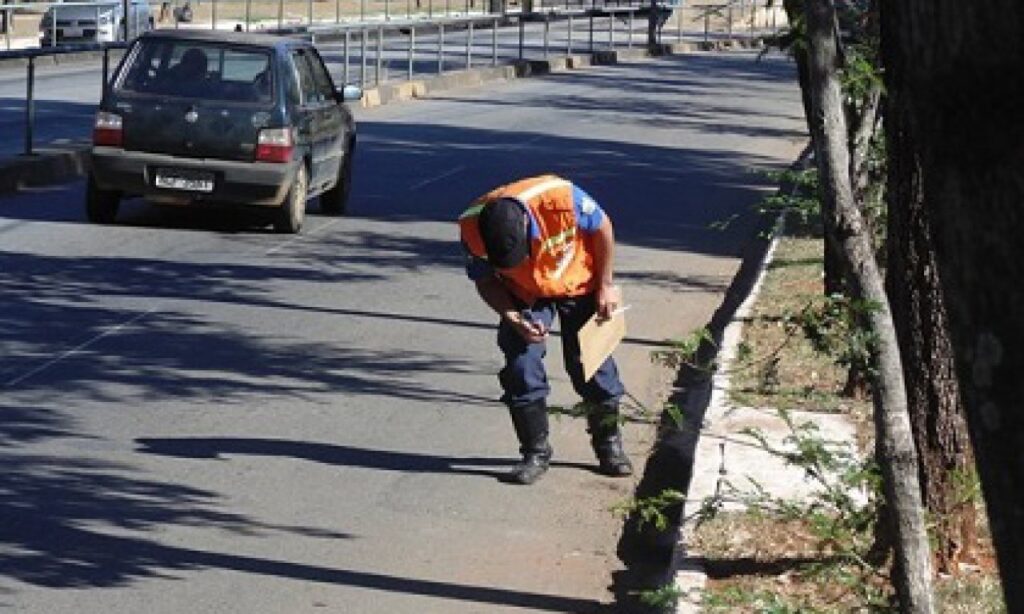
{"points": [[189, 181]]}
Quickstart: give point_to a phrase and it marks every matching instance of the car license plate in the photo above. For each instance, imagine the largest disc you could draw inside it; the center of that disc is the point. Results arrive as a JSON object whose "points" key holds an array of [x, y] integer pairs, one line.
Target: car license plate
{"points": [[189, 181], [73, 33]]}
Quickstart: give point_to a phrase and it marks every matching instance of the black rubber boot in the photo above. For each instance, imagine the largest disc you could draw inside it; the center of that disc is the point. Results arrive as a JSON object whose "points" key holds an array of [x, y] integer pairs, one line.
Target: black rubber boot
{"points": [[531, 424], [606, 439]]}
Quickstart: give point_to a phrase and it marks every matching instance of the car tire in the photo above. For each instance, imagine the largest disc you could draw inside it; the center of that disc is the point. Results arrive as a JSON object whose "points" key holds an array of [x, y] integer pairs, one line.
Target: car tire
{"points": [[101, 205], [293, 210], [335, 200]]}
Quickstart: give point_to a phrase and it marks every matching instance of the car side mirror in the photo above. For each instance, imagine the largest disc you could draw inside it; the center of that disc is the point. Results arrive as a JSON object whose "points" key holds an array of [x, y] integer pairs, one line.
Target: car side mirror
{"points": [[349, 93]]}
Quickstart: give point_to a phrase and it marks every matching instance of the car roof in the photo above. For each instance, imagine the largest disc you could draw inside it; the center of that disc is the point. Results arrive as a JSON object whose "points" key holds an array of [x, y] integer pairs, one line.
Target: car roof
{"points": [[230, 37]]}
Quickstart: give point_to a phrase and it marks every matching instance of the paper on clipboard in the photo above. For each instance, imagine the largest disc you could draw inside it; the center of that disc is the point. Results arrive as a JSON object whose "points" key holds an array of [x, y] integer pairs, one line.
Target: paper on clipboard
{"points": [[598, 339]]}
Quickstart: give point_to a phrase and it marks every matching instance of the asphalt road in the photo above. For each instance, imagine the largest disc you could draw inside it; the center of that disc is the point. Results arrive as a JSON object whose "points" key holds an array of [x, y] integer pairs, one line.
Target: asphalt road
{"points": [[198, 415]]}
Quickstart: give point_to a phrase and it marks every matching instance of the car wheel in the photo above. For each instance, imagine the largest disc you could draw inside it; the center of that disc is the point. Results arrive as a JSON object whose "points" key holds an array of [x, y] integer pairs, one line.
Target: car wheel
{"points": [[100, 205], [335, 200], [293, 210]]}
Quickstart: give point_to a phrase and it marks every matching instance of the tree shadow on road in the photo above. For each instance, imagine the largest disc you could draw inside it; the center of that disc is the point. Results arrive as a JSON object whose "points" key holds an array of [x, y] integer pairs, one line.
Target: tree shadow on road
{"points": [[77, 523]]}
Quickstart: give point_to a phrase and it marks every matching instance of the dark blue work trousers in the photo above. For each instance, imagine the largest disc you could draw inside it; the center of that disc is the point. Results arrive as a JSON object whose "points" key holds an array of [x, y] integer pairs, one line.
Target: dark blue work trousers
{"points": [[524, 380]]}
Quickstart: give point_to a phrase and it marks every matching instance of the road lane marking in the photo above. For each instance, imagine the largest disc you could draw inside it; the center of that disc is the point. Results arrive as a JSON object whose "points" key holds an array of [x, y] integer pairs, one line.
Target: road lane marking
{"points": [[79, 348], [530, 141], [426, 182], [299, 237], [115, 329]]}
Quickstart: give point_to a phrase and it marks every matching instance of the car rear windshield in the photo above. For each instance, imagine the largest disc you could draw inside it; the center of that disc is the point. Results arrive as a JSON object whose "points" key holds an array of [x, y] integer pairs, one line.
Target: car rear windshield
{"points": [[193, 69]]}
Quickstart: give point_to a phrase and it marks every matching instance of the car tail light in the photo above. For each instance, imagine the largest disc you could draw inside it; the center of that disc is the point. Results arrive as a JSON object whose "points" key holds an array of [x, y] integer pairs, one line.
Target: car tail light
{"points": [[108, 130], [274, 145]]}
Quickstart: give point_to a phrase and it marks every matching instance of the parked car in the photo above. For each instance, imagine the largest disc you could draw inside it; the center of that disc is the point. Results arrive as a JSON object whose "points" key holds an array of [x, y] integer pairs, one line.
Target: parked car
{"points": [[86, 22], [194, 117]]}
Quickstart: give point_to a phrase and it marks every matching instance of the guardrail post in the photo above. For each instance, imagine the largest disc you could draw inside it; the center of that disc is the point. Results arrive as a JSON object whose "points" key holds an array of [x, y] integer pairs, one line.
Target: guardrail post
{"points": [[30, 105], [592, 9], [362, 57], [440, 48], [412, 49], [248, 14], [106, 71], [380, 54], [469, 47], [213, 15], [309, 11], [387, 9], [494, 43], [362, 10], [679, 24], [522, 35], [53, 28], [629, 39], [346, 53], [547, 33], [707, 26], [611, 30], [568, 44], [280, 14]]}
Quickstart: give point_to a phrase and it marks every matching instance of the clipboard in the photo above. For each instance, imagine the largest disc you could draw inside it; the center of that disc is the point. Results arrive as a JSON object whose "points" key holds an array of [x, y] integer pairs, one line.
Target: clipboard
{"points": [[599, 339]]}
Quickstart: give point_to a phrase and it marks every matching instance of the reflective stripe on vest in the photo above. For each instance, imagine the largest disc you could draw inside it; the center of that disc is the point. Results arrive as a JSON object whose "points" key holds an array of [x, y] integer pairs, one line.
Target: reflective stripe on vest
{"points": [[561, 258]]}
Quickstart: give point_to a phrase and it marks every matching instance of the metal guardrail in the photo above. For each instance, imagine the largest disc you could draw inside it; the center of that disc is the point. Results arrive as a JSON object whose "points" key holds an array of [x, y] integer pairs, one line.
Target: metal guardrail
{"points": [[358, 37], [728, 10], [32, 54]]}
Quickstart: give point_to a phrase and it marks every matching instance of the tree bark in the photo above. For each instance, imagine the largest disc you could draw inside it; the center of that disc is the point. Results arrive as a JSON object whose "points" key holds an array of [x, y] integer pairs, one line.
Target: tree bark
{"points": [[834, 273], [843, 220], [933, 394], [955, 66], [861, 139]]}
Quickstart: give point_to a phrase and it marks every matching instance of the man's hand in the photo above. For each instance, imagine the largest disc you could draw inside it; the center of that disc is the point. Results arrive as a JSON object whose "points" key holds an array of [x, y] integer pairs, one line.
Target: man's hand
{"points": [[530, 330], [609, 297]]}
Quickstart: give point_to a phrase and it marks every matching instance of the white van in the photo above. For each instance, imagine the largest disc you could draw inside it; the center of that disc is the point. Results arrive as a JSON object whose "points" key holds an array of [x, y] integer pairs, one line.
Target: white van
{"points": [[88, 22]]}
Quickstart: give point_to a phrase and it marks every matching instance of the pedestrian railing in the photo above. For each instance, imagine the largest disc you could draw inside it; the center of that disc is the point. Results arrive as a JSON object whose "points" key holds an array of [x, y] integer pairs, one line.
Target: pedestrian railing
{"points": [[374, 51]]}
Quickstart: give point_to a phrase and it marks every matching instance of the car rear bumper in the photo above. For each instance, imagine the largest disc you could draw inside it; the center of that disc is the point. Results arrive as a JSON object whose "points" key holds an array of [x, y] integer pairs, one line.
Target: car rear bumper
{"points": [[246, 183]]}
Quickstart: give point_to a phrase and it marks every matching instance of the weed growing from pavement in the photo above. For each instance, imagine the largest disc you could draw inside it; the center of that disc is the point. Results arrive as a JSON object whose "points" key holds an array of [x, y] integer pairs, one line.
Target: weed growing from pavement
{"points": [[661, 599], [650, 510]]}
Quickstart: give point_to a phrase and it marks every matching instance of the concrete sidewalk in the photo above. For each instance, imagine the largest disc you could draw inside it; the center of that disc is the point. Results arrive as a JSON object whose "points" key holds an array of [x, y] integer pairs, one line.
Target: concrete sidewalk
{"points": [[724, 453]]}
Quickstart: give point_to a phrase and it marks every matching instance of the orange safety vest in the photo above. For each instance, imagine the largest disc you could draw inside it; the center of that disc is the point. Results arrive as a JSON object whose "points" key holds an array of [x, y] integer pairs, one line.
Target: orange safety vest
{"points": [[561, 261]]}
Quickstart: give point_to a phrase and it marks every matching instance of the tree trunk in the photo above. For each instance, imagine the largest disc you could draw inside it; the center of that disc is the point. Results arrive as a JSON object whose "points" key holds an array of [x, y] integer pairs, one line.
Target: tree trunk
{"points": [[933, 394], [955, 67], [843, 220], [834, 273]]}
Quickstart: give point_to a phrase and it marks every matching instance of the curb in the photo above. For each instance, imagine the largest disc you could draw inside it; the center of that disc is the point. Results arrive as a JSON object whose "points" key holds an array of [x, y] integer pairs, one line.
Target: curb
{"points": [[56, 163], [691, 576], [53, 163]]}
